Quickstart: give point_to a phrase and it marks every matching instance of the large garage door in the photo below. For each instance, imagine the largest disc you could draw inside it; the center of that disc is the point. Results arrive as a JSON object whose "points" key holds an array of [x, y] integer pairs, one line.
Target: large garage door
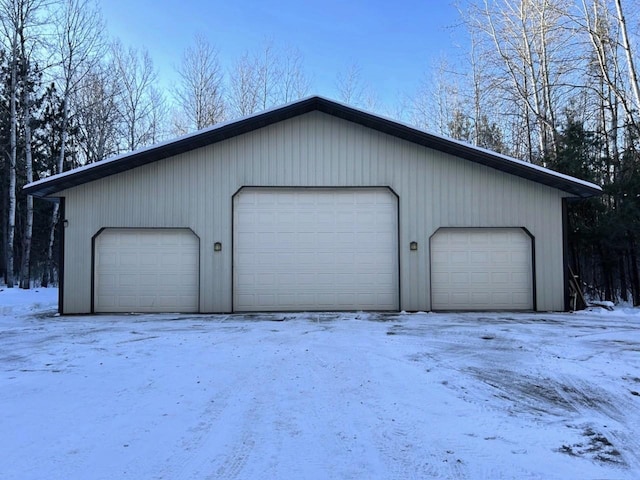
{"points": [[481, 269], [146, 270], [315, 249]]}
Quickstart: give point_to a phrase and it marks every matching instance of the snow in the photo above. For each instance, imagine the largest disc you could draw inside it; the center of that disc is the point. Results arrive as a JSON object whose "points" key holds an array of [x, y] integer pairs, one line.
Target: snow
{"points": [[317, 395]]}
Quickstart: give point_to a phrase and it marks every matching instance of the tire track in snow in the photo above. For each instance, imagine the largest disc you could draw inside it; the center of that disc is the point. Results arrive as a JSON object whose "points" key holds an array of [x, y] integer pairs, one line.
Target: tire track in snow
{"points": [[407, 446], [234, 462], [200, 443], [180, 464], [247, 417], [328, 439]]}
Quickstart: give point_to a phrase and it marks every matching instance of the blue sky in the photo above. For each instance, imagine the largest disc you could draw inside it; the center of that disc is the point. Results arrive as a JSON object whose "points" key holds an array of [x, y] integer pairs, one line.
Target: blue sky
{"points": [[393, 43]]}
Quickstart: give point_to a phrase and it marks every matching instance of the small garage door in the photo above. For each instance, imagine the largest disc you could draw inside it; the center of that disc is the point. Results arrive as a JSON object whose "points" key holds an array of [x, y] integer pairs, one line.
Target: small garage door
{"points": [[481, 269], [315, 249], [146, 270]]}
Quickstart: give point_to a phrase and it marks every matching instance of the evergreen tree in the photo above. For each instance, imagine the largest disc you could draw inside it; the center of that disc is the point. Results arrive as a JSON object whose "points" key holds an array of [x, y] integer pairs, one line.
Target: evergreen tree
{"points": [[603, 232]]}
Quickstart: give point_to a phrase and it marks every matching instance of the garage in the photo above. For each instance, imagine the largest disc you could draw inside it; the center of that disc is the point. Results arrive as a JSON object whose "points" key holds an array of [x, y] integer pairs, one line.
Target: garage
{"points": [[481, 269], [311, 249], [146, 270], [312, 206]]}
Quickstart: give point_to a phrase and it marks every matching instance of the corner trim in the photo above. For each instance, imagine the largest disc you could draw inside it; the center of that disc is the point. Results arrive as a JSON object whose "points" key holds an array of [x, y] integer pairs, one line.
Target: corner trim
{"points": [[61, 259], [565, 254]]}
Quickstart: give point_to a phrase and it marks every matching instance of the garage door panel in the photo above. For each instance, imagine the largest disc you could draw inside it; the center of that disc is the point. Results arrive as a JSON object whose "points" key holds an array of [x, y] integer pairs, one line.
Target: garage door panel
{"points": [[147, 259], [265, 278], [307, 278], [127, 258], [478, 277], [330, 245], [482, 240], [143, 301], [480, 269], [345, 279], [154, 270], [386, 298], [248, 258], [299, 299], [519, 258], [461, 278], [461, 298], [285, 258], [122, 241], [456, 257], [439, 298], [130, 280], [129, 302], [503, 278], [521, 297], [481, 299], [325, 279]]}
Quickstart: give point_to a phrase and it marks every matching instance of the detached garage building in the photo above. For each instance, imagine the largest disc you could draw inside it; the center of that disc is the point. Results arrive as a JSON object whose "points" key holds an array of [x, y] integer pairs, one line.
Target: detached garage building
{"points": [[312, 206]]}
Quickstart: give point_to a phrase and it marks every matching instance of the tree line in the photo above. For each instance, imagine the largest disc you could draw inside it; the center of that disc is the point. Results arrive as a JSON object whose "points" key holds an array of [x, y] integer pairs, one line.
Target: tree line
{"points": [[552, 82], [555, 82], [70, 96]]}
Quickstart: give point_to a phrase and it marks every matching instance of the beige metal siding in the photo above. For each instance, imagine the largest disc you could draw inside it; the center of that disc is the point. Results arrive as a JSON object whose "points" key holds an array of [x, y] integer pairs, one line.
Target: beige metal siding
{"points": [[194, 190]]}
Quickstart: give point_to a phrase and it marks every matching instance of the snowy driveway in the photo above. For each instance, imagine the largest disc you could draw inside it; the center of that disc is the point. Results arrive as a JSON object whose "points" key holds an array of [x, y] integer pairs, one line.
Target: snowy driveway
{"points": [[344, 396]]}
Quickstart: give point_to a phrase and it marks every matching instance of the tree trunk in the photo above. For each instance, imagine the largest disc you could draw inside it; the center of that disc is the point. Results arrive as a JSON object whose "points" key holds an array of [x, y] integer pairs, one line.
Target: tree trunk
{"points": [[606, 275], [5, 222], [52, 237], [624, 289], [48, 276], [11, 223], [633, 76], [548, 107], [635, 275], [25, 271]]}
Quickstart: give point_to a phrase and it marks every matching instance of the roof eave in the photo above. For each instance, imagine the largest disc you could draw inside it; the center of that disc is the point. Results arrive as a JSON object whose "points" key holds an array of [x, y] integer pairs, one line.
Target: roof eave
{"points": [[217, 133]]}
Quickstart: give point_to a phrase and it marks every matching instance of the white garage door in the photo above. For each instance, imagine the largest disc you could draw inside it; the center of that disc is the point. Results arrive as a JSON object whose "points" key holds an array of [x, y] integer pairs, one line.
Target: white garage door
{"points": [[315, 249], [481, 269], [146, 270]]}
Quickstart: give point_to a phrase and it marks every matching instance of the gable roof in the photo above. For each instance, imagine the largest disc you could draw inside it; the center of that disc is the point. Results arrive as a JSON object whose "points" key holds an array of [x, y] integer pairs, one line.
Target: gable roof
{"points": [[51, 185]]}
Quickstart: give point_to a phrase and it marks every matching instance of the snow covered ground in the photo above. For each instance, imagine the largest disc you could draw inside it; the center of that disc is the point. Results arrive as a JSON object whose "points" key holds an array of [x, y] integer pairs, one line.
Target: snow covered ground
{"points": [[326, 396]]}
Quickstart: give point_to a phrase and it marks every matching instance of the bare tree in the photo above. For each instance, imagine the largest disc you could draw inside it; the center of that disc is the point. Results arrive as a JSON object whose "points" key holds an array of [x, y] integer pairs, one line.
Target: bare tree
{"points": [[294, 82], [626, 45], [531, 57], [25, 269], [255, 80], [602, 71], [78, 40], [477, 85], [436, 100], [200, 91], [136, 97], [355, 91], [16, 17], [266, 78], [159, 112], [269, 75], [612, 81], [244, 96], [26, 51], [96, 113], [11, 22]]}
